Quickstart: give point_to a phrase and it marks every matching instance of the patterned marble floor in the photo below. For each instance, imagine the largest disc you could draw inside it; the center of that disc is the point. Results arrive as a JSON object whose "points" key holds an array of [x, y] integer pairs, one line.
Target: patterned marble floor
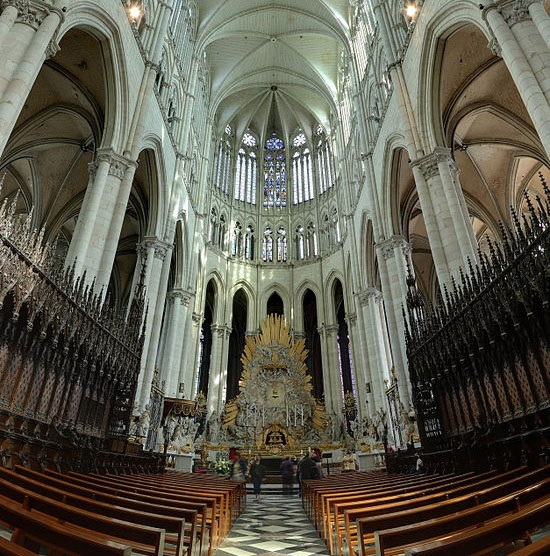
{"points": [[276, 526]]}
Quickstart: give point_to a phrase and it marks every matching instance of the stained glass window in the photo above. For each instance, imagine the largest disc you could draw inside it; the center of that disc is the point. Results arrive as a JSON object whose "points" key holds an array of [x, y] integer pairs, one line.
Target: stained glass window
{"points": [[223, 161], [267, 246], [302, 173], [249, 140], [282, 245], [249, 243], [325, 169], [300, 243], [275, 193], [246, 171], [299, 140], [228, 130], [236, 240]]}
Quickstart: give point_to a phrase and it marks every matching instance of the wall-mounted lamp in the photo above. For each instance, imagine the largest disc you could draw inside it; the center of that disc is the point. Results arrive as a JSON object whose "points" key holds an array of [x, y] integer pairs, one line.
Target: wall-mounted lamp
{"points": [[135, 12], [411, 10]]}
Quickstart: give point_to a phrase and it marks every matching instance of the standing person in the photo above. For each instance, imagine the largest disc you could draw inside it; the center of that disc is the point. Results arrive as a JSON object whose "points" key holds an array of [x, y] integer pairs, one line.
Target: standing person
{"points": [[299, 473], [308, 468], [419, 464], [286, 472], [349, 461], [237, 468], [257, 473]]}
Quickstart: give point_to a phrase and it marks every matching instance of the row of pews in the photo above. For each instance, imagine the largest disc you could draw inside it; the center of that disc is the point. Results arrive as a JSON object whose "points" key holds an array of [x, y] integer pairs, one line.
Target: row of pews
{"points": [[169, 514], [377, 513]]}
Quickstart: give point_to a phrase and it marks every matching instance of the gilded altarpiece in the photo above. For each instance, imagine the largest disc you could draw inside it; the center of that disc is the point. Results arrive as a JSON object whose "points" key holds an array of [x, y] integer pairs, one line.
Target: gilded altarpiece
{"points": [[275, 411]]}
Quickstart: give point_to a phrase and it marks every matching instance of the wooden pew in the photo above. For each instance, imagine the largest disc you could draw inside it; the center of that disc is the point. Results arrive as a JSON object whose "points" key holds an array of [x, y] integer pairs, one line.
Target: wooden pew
{"points": [[325, 499], [335, 524], [42, 483], [538, 548], [355, 512], [486, 538], [57, 536], [212, 515], [143, 537], [394, 541], [221, 511], [8, 548]]}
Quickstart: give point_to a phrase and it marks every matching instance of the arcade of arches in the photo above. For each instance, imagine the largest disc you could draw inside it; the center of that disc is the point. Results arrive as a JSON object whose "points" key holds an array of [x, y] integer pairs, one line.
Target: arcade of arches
{"points": [[222, 161]]}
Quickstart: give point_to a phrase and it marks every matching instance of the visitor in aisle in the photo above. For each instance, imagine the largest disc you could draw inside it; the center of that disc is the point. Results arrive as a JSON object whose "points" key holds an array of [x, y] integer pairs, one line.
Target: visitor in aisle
{"points": [[257, 474], [287, 476]]}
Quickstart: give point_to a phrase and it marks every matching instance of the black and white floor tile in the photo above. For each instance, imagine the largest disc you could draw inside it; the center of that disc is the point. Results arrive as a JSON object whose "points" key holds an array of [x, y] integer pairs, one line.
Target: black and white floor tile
{"points": [[275, 526]]}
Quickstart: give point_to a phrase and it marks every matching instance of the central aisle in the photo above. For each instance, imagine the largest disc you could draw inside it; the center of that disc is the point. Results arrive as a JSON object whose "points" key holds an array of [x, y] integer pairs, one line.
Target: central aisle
{"points": [[275, 525]]}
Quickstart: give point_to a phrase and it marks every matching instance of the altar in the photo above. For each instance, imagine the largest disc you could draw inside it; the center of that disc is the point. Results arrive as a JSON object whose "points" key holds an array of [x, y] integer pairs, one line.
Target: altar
{"points": [[275, 413]]}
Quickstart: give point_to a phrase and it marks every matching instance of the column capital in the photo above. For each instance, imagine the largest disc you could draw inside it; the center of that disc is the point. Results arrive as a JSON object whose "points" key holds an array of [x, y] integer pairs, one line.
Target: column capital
{"points": [[331, 329], [197, 319], [118, 164], [368, 294], [183, 296], [159, 247], [429, 164], [388, 247], [220, 330], [28, 12], [351, 319], [516, 11]]}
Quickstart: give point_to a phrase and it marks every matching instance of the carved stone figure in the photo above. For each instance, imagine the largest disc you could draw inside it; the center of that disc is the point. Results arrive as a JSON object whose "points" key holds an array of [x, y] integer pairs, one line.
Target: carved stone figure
{"points": [[142, 425]]}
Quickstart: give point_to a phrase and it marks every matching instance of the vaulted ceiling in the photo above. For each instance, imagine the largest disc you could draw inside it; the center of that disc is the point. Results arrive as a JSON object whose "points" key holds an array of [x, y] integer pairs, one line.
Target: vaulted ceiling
{"points": [[273, 61]]}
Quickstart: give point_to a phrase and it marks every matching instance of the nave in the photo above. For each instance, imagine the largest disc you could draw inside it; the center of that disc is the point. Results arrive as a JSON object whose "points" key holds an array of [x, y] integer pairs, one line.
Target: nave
{"points": [[273, 525]]}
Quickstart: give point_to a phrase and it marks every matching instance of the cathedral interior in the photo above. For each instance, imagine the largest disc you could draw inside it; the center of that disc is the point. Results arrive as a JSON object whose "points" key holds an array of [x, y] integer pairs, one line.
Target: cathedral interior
{"points": [[240, 229]]}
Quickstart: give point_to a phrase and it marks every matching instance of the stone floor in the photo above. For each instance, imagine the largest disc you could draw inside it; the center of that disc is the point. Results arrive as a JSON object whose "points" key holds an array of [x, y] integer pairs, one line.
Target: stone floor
{"points": [[275, 525]]}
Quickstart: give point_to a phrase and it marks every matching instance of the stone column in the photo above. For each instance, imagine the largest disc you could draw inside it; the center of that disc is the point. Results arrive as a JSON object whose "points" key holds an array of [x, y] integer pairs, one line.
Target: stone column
{"points": [[95, 217], [178, 302], [532, 82], [541, 19], [153, 254], [370, 300], [450, 231], [7, 20], [218, 368], [368, 367], [358, 368], [25, 47], [334, 399], [114, 204], [189, 360], [395, 252]]}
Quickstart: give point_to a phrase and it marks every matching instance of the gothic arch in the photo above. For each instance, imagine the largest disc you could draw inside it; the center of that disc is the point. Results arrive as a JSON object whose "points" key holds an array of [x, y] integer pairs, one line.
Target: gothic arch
{"points": [[442, 24], [248, 292], [96, 21], [280, 290]]}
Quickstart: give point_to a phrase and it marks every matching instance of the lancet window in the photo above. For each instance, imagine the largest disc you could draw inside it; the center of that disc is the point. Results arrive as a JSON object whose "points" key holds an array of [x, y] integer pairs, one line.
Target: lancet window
{"points": [[300, 243], [275, 188], [282, 245], [222, 166], [237, 240], [302, 173], [221, 232], [267, 245], [249, 243], [311, 241], [325, 169], [246, 170]]}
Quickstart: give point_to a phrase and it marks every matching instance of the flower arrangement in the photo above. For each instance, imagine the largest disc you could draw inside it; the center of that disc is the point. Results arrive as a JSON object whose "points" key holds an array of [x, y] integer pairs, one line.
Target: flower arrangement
{"points": [[221, 466]]}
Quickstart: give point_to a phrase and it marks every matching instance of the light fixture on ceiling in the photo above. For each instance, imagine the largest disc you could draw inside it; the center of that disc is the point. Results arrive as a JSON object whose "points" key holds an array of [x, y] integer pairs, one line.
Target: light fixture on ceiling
{"points": [[135, 12], [411, 11]]}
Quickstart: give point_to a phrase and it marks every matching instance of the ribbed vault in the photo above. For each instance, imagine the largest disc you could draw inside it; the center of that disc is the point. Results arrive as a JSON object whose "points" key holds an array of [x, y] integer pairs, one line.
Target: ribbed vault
{"points": [[267, 55]]}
